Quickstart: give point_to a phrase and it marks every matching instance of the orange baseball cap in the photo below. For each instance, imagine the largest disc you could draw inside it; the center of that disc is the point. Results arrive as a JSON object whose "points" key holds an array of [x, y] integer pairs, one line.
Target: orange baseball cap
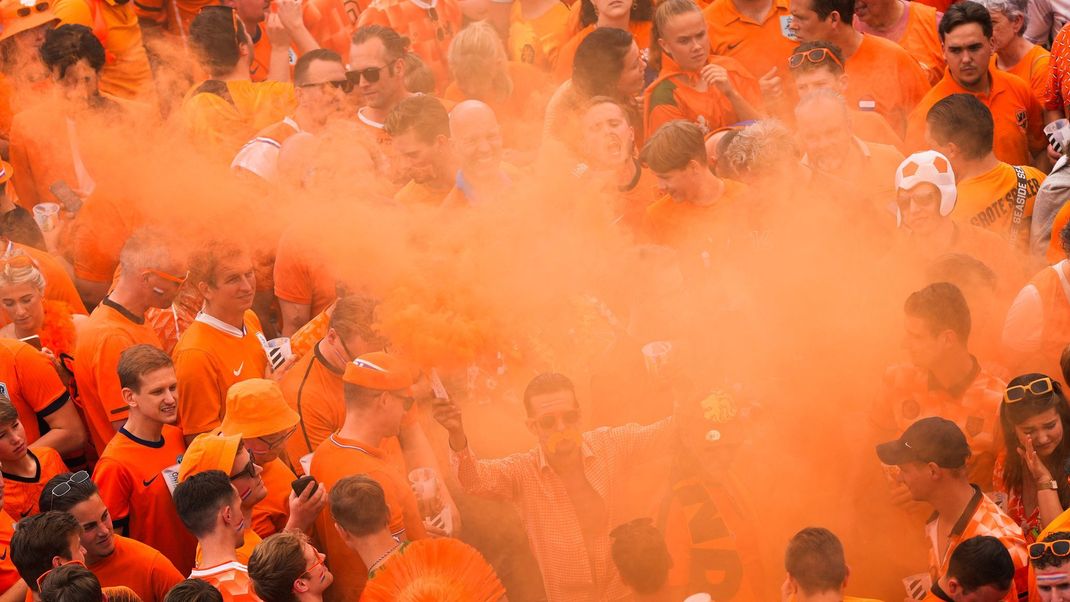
{"points": [[256, 408], [380, 371], [17, 16], [209, 451]]}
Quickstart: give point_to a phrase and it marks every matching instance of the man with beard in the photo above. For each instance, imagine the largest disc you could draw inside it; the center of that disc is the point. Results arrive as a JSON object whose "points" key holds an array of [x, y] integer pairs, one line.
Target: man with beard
{"points": [[568, 489], [419, 129]]}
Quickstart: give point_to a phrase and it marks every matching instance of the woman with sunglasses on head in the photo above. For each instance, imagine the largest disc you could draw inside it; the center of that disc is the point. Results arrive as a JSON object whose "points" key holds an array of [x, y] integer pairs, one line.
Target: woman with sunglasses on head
{"points": [[1035, 420], [47, 324]]}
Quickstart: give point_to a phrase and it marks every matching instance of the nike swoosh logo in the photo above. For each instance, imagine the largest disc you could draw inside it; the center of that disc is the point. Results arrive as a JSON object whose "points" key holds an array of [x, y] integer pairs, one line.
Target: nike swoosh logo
{"points": [[25, 513], [149, 482], [4, 555], [733, 46], [238, 371]]}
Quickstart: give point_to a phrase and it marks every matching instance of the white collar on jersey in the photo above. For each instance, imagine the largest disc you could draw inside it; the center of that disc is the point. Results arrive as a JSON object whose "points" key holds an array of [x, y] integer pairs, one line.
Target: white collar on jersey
{"points": [[221, 326]]}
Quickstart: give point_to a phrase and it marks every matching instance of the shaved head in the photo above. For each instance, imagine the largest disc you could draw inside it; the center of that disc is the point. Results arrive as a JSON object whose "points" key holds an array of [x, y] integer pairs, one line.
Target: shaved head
{"points": [[476, 139]]}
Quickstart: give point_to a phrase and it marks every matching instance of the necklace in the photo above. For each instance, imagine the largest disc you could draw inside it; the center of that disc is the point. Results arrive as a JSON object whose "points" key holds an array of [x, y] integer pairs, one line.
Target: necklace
{"points": [[386, 554]]}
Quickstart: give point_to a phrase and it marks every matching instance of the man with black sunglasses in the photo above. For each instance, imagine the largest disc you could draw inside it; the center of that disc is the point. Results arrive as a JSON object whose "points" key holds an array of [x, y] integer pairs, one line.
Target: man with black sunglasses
{"points": [[1050, 559], [377, 69], [378, 395], [429, 25]]}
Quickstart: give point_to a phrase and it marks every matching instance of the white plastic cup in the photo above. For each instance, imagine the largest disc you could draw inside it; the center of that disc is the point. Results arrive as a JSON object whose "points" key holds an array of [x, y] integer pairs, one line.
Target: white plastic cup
{"points": [[917, 586], [47, 216], [701, 597], [424, 483], [656, 357], [278, 351]]}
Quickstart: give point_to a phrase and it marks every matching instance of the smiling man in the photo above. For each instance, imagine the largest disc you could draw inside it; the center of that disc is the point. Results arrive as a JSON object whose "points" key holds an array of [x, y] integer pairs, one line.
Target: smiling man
{"points": [[114, 559], [476, 140], [139, 467]]}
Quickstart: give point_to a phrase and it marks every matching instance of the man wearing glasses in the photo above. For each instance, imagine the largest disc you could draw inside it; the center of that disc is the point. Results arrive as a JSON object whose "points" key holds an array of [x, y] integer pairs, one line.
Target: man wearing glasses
{"points": [[1050, 560], [930, 461], [149, 277], [257, 412], [569, 489], [377, 69], [378, 394], [321, 87]]}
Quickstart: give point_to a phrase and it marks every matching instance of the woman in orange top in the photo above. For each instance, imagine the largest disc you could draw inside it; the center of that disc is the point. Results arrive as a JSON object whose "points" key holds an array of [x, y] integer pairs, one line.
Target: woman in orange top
{"points": [[1015, 54], [53, 323], [537, 30], [633, 16]]}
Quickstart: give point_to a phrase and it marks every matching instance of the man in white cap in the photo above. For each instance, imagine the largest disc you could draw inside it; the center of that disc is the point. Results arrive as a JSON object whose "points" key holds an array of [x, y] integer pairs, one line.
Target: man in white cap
{"points": [[1054, 191]]}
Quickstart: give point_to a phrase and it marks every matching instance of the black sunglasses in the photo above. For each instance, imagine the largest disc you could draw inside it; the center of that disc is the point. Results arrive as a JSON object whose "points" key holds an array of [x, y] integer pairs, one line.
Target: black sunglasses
{"points": [[345, 85], [370, 75], [248, 471], [550, 420], [25, 11]]}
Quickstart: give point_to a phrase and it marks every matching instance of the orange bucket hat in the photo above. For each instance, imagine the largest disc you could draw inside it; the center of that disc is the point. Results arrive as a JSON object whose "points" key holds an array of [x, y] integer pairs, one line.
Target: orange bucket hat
{"points": [[256, 408], [17, 16], [209, 451], [379, 371]]}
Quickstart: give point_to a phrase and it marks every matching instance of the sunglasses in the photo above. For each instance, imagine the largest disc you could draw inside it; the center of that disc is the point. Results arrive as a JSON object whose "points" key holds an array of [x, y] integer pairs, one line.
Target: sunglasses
{"points": [[277, 441], [345, 85], [1059, 547], [18, 261], [1040, 386], [248, 471], [168, 277], [550, 420], [370, 75], [816, 56], [321, 558], [44, 575], [65, 487], [26, 11]]}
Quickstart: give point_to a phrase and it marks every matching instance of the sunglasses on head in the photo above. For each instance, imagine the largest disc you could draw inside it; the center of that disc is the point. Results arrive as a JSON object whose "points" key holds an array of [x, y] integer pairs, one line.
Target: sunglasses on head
{"points": [[179, 280], [18, 261], [549, 421], [1059, 547], [815, 55], [345, 85], [26, 11], [65, 487], [1040, 386]]}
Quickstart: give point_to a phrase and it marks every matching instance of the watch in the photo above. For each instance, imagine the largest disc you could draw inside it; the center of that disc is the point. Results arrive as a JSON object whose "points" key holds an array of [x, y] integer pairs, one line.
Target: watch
{"points": [[1052, 484]]}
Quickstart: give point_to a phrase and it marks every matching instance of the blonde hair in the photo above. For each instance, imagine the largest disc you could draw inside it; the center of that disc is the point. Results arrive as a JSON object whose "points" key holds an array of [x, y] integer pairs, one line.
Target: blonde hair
{"points": [[11, 275], [477, 52]]}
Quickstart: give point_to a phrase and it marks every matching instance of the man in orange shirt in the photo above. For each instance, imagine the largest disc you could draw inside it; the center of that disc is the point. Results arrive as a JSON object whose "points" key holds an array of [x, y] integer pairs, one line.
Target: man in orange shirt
{"points": [[114, 559], [819, 66], [149, 277], [966, 32], [930, 457], [30, 381], [943, 378], [139, 467], [429, 27], [912, 25], [698, 212], [476, 140], [378, 393], [377, 67], [979, 568], [222, 113], [882, 77], [41, 543], [25, 470], [419, 130], [225, 344], [127, 75], [991, 193], [754, 33], [1037, 327], [257, 412], [816, 567], [211, 509], [691, 84]]}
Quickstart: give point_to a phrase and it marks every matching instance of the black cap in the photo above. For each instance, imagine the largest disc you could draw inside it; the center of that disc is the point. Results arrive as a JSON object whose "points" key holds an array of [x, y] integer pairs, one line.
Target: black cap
{"points": [[934, 439]]}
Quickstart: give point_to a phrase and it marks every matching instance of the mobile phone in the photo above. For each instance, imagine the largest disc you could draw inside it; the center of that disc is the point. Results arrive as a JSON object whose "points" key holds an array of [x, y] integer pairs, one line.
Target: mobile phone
{"points": [[33, 340], [66, 197], [301, 483]]}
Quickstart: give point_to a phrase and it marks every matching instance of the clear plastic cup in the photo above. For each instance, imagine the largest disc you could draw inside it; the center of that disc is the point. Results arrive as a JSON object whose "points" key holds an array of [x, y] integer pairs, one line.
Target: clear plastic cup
{"points": [[656, 357], [47, 216], [278, 351]]}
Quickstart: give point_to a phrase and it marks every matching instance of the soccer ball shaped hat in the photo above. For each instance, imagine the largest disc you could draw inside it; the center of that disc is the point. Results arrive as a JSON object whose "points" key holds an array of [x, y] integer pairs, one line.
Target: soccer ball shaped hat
{"points": [[927, 167]]}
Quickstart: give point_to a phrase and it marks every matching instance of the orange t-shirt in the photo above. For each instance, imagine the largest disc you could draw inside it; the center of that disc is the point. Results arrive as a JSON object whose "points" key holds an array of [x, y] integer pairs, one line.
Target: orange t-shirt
{"points": [[31, 383], [9, 575], [414, 194], [221, 117], [429, 30], [1033, 69], [271, 513], [139, 567], [1016, 114], [208, 360], [988, 201], [337, 458], [883, 77], [695, 227], [918, 36], [58, 283], [127, 73], [109, 331], [133, 484], [100, 229], [758, 46], [302, 275], [640, 30], [537, 41], [22, 493], [873, 127], [672, 96], [231, 579]]}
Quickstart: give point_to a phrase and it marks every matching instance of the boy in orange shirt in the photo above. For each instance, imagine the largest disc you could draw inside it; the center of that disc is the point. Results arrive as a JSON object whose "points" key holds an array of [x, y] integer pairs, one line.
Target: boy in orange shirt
{"points": [[378, 392], [139, 467], [419, 130], [114, 559], [225, 344], [25, 471], [41, 543], [29, 380]]}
